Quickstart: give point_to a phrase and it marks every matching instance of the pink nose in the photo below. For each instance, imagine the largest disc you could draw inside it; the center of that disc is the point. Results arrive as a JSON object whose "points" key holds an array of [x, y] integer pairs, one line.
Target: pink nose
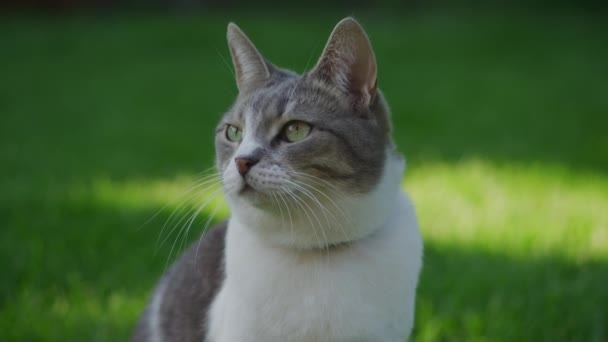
{"points": [[243, 164]]}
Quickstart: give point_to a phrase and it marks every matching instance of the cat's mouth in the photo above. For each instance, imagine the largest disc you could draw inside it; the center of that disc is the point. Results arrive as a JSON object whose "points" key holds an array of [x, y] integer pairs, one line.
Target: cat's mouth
{"points": [[246, 188], [250, 185], [258, 185], [253, 196]]}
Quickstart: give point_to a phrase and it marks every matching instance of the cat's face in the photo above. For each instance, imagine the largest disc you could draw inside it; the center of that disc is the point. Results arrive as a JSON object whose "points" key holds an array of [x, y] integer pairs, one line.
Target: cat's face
{"points": [[296, 131], [303, 138]]}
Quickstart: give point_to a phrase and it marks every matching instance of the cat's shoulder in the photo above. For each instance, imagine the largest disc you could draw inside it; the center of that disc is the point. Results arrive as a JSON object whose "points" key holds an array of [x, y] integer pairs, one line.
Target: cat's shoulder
{"points": [[208, 249], [203, 260], [179, 305]]}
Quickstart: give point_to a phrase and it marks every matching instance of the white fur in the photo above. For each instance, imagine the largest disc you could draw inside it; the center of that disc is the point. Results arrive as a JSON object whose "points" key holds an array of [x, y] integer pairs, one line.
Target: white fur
{"points": [[249, 144], [275, 290]]}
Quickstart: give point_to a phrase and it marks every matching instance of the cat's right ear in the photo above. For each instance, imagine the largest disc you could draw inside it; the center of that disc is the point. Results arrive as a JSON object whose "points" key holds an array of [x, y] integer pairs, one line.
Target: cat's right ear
{"points": [[250, 67], [348, 62]]}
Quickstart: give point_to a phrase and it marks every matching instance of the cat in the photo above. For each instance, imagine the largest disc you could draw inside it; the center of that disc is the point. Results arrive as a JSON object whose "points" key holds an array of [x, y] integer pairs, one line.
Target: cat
{"points": [[322, 243]]}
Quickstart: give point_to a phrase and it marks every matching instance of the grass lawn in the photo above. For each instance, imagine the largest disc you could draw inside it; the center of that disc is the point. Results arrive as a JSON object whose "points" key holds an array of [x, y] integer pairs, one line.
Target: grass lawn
{"points": [[503, 120]]}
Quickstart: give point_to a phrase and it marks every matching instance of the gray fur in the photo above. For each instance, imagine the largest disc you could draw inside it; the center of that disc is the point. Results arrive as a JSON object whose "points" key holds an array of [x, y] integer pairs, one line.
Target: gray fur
{"points": [[346, 145], [188, 287]]}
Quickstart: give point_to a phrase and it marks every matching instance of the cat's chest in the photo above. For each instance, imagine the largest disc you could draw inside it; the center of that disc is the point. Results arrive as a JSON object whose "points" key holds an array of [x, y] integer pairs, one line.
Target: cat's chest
{"points": [[361, 293]]}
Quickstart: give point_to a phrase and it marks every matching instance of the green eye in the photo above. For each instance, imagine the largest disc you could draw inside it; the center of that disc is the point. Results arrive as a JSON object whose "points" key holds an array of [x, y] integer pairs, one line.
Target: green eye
{"points": [[234, 133], [296, 130]]}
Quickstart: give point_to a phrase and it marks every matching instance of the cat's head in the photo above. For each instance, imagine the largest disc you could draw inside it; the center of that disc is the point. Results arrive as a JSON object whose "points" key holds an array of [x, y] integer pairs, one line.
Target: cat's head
{"points": [[291, 143]]}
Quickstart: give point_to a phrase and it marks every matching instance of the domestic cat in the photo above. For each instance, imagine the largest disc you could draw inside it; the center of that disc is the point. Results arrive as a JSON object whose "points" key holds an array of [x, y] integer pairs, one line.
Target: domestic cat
{"points": [[322, 243]]}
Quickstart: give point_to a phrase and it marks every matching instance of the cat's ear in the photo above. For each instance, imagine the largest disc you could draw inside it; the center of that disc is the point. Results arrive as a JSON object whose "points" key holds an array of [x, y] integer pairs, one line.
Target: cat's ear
{"points": [[348, 62], [249, 65]]}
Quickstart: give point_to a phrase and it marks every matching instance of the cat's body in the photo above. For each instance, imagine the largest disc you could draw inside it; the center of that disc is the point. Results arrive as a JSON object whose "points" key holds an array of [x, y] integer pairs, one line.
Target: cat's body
{"points": [[322, 244]]}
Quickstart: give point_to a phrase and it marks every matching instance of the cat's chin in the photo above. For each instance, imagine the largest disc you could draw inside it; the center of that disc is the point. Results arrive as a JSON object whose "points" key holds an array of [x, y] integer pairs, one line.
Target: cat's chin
{"points": [[254, 197]]}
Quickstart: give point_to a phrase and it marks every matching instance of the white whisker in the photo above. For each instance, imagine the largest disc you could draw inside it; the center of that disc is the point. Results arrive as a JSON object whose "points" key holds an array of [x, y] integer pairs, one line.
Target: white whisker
{"points": [[192, 188], [190, 220], [288, 212], [180, 208], [300, 203], [209, 220], [175, 225], [323, 210]]}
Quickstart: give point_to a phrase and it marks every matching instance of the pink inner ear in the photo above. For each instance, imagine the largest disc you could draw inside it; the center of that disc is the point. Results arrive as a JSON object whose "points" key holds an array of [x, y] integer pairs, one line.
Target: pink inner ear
{"points": [[348, 61], [370, 81], [362, 76]]}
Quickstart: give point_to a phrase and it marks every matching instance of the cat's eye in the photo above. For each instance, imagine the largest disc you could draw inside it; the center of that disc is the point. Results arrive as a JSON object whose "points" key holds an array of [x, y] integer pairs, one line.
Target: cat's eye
{"points": [[234, 133], [295, 131]]}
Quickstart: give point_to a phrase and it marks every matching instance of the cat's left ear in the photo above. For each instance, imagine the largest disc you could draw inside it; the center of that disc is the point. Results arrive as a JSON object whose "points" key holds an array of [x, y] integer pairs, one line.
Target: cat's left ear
{"points": [[250, 67], [348, 62]]}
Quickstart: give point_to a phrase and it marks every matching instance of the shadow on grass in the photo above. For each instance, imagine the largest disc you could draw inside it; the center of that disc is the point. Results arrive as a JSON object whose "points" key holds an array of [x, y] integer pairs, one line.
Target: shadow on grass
{"points": [[474, 294]]}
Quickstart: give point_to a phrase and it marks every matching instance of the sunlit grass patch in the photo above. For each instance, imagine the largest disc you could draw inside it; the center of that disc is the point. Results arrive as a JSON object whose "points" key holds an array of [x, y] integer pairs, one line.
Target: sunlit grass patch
{"points": [[518, 209], [181, 194]]}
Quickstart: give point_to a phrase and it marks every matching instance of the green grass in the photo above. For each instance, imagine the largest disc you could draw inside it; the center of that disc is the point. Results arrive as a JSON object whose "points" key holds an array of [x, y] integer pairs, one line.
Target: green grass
{"points": [[503, 119]]}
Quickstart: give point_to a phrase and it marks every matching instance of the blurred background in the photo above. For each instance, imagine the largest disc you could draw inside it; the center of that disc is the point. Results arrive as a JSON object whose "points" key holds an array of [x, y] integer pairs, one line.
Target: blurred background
{"points": [[107, 110]]}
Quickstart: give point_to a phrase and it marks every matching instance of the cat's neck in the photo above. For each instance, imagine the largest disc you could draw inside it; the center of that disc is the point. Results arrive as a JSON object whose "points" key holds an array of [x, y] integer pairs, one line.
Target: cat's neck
{"points": [[329, 224]]}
